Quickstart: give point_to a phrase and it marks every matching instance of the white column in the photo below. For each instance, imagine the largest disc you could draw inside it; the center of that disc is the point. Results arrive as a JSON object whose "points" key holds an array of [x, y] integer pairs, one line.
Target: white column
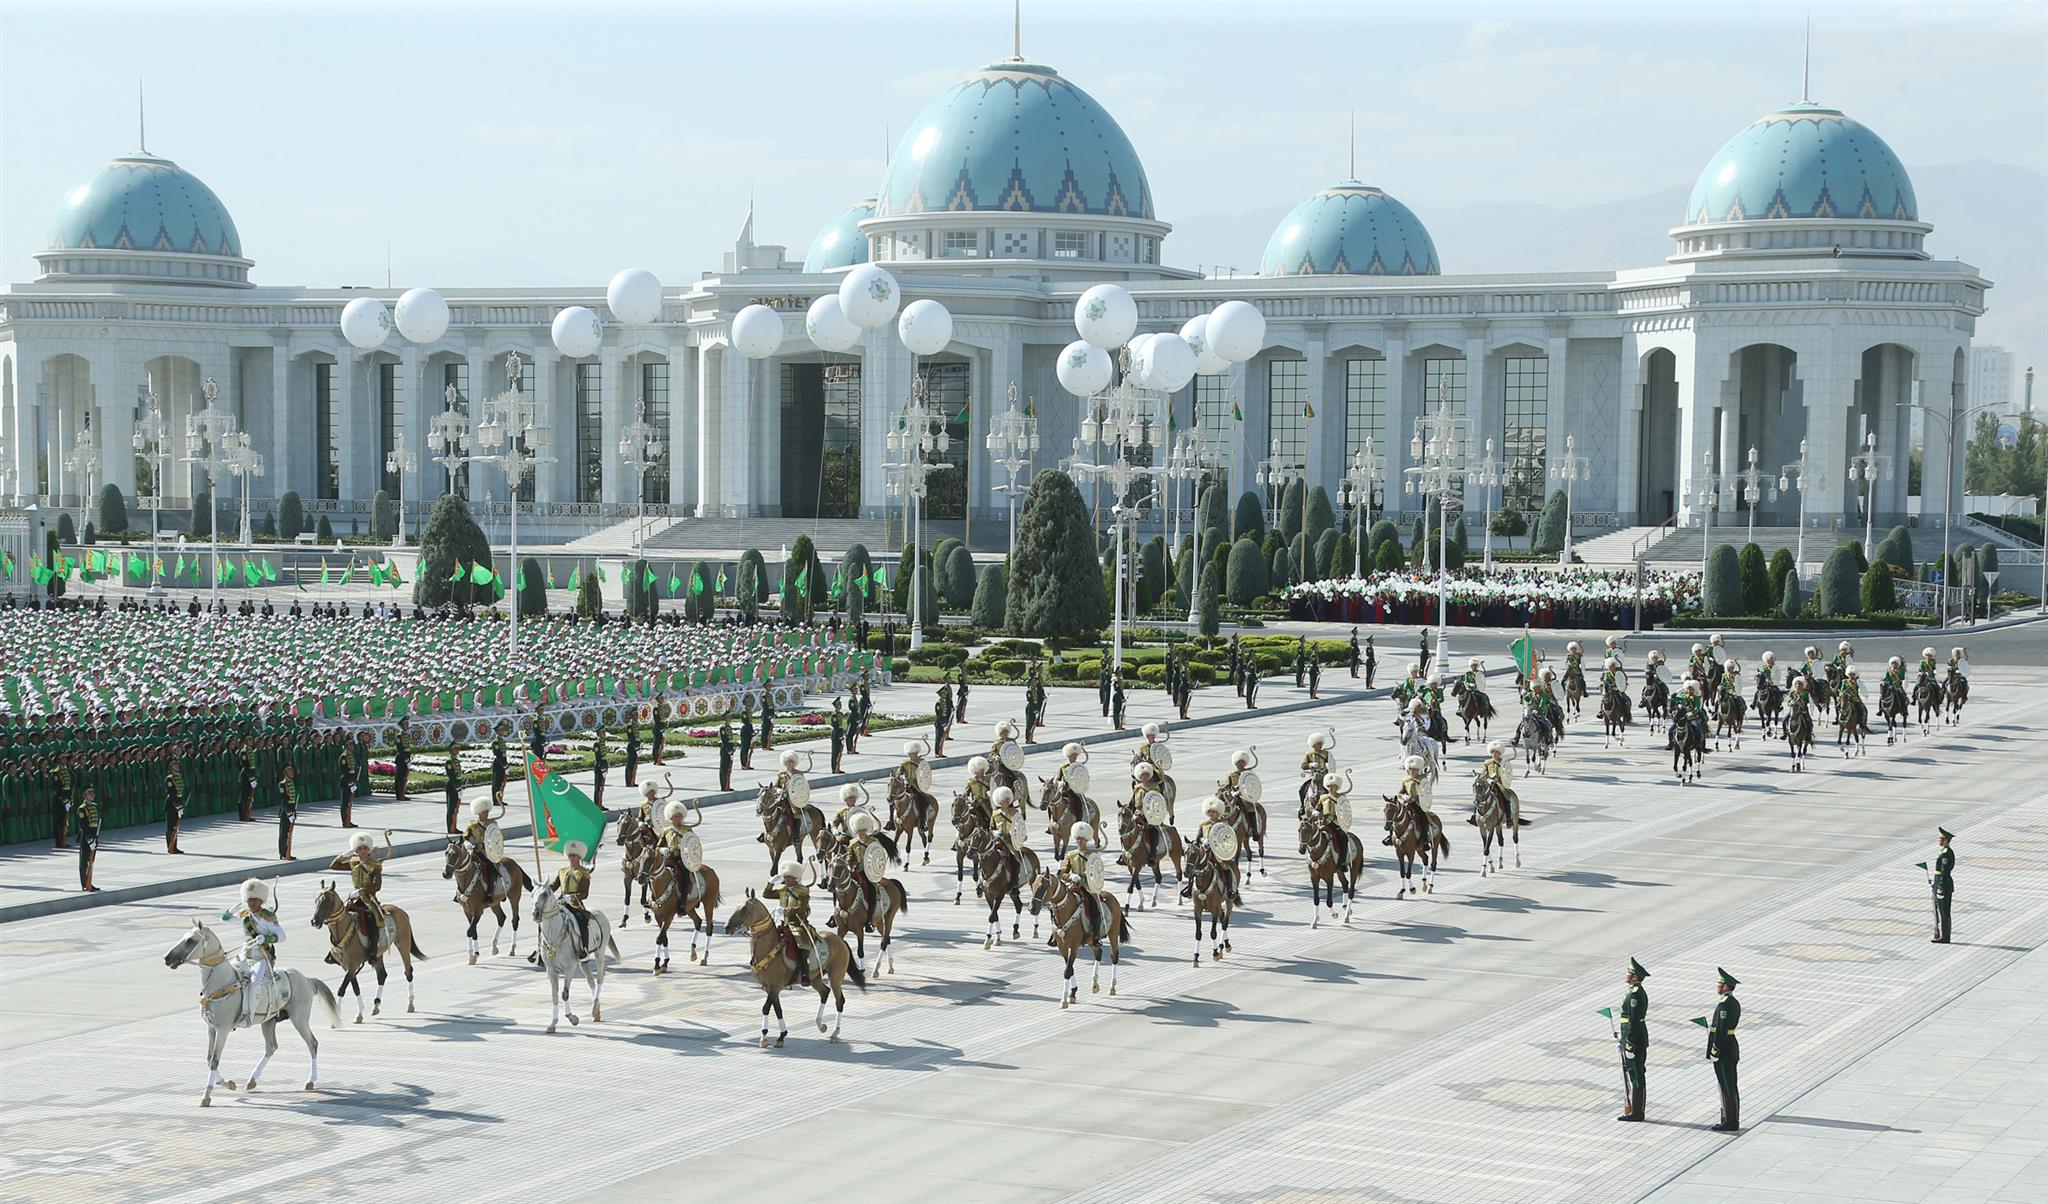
{"points": [[1935, 376], [683, 436], [614, 405], [286, 421], [745, 388], [1563, 416], [1483, 401], [22, 432], [62, 428], [710, 430], [1699, 379], [1400, 421], [562, 434], [1628, 442], [1828, 387], [1006, 364]]}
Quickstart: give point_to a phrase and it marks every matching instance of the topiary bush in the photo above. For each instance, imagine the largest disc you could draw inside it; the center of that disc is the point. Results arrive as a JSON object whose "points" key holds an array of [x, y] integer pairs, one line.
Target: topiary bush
{"points": [[990, 598], [1722, 592], [202, 514], [803, 580], [324, 530], [956, 577], [1839, 595], [533, 588], [1211, 612], [383, 516], [1781, 568], [1249, 518], [451, 537], [1508, 524], [1550, 527], [750, 584], [291, 515], [113, 510], [1756, 580], [1388, 558], [1247, 576], [1382, 531], [589, 596], [1052, 590], [1878, 594]]}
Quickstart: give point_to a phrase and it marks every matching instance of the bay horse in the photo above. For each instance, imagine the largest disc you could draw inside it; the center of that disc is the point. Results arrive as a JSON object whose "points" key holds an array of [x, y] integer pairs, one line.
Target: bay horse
{"points": [[1000, 872], [1070, 932], [850, 912], [1250, 821], [912, 812], [1063, 810], [1891, 703], [1955, 692], [1574, 689], [1799, 736], [968, 819], [1852, 723], [1147, 846], [1499, 822], [1688, 744], [471, 873], [1208, 891], [224, 994], [772, 959], [1474, 707], [558, 955], [1927, 700], [785, 826], [1656, 699], [1729, 710], [1769, 704], [349, 946], [1335, 858], [636, 839], [1614, 717], [1414, 841], [674, 891]]}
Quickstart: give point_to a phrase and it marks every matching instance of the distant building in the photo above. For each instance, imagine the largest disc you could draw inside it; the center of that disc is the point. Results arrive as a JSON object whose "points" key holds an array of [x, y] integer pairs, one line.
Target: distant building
{"points": [[1991, 376]]}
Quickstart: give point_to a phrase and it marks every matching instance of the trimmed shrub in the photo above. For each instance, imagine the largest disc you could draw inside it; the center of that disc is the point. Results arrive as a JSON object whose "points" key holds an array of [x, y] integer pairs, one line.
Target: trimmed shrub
{"points": [[113, 510], [1839, 596], [1325, 553], [1781, 568], [1388, 558], [1862, 561], [1460, 546], [1756, 580], [383, 516], [1249, 518], [291, 515], [990, 598], [750, 584], [1382, 531], [1723, 589], [1343, 557], [1550, 527], [1212, 605], [533, 588], [451, 537], [1050, 590], [1878, 594], [589, 596], [1508, 524], [324, 530], [956, 577], [91, 535], [1213, 512], [1247, 574], [1321, 515], [1278, 571], [1292, 503], [202, 514]]}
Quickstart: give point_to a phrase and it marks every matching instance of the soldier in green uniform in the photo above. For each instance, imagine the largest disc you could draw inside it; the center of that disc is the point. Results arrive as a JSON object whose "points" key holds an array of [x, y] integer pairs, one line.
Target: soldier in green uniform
{"points": [[1102, 685], [88, 821], [795, 897], [1372, 659], [600, 760], [1034, 704], [660, 745], [960, 697], [401, 758], [451, 789], [571, 884], [1634, 1038], [174, 800], [942, 718], [1116, 700], [1726, 1052], [1354, 661], [632, 751], [344, 769], [1315, 676], [747, 736], [499, 764], [1926, 670], [245, 784], [767, 719], [1944, 883], [287, 810], [725, 747], [838, 721]]}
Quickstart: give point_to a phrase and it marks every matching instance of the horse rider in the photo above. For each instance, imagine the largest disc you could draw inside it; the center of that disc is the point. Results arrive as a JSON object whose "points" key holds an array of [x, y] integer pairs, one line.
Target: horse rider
{"points": [[1496, 771], [1007, 821], [1475, 678], [1690, 707], [1927, 668], [1614, 653], [1542, 698], [366, 875], [1574, 660], [1316, 761], [483, 821], [1957, 666], [1806, 668], [978, 784], [1074, 870], [1731, 681], [1610, 676], [1415, 726], [1798, 702], [1409, 686], [1696, 663], [675, 817], [788, 887], [1766, 673], [913, 756], [1240, 761], [1148, 752], [849, 802], [861, 826], [783, 775], [1842, 657], [1851, 695], [1213, 814], [1075, 755], [1411, 793], [261, 931], [1144, 777], [1894, 676], [572, 885]]}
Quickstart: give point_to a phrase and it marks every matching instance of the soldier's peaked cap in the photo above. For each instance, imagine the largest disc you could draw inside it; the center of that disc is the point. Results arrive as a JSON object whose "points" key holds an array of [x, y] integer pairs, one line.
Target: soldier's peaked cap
{"points": [[1636, 968]]}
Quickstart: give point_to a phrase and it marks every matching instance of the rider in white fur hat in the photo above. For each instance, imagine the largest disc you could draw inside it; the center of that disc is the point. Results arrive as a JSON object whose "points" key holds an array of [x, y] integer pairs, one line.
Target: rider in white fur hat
{"points": [[262, 930]]}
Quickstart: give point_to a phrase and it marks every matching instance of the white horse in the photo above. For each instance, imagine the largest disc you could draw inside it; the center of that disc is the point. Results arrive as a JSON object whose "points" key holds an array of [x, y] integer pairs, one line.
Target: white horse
{"points": [[221, 999], [558, 954], [1417, 743]]}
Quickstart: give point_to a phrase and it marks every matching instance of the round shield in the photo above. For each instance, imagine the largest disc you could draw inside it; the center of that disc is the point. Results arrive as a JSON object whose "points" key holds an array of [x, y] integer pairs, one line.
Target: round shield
{"points": [[1343, 813], [1223, 842], [692, 854], [1077, 778], [1016, 837], [874, 861], [1249, 788], [799, 788], [494, 844], [1162, 756], [1154, 807], [924, 776], [1011, 754], [1095, 873]]}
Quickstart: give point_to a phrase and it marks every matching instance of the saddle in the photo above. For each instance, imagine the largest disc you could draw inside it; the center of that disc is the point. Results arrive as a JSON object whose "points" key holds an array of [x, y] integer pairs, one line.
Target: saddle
{"points": [[794, 953], [262, 1002], [364, 928]]}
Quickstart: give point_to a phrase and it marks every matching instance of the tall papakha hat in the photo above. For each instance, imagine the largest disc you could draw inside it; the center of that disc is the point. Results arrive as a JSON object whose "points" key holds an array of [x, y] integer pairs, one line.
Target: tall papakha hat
{"points": [[1727, 979], [1636, 968], [1946, 834]]}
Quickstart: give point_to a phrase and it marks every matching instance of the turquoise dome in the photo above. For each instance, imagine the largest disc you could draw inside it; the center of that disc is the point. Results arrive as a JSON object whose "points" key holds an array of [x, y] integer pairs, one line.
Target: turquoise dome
{"points": [[1804, 160], [1350, 230], [143, 203], [839, 244], [1015, 136]]}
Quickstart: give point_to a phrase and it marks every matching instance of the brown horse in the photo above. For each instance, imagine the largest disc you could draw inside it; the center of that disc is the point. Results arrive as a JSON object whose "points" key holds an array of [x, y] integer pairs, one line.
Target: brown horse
{"points": [[635, 838], [481, 887], [349, 946], [1474, 707], [1926, 703], [773, 962], [1208, 889], [1955, 691], [912, 812], [1728, 718], [1147, 846], [674, 891], [1071, 932], [1413, 841], [785, 826], [1614, 716], [1335, 858], [850, 912], [1574, 689], [1001, 871], [1063, 810], [1250, 821], [968, 819]]}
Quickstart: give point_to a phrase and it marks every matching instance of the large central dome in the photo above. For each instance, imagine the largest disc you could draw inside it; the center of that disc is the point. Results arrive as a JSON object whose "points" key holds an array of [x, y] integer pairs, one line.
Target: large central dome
{"points": [[144, 203], [1016, 137], [1804, 160]]}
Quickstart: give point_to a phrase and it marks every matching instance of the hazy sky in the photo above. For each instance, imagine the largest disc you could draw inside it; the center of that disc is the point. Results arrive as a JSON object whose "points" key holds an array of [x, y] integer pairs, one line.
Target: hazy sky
{"points": [[558, 142]]}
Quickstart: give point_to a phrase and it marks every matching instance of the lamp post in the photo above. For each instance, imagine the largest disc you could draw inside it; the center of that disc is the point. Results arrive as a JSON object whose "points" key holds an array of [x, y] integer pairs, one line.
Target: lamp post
{"points": [[1126, 423], [1361, 477], [401, 461], [1013, 446], [1751, 479], [1188, 461], [150, 433], [1441, 456], [640, 449], [1864, 466], [213, 443], [1490, 474], [1800, 475], [84, 465], [1276, 473], [922, 434], [1570, 467], [511, 437], [1707, 487]]}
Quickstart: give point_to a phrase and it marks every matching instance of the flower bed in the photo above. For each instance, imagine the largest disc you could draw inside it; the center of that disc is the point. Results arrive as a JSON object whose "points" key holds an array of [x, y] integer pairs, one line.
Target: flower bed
{"points": [[1574, 598]]}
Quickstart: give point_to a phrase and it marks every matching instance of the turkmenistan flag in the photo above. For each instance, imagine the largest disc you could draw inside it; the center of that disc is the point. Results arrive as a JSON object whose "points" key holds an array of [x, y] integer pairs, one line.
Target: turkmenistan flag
{"points": [[1236, 412], [1524, 652], [721, 578], [1701, 1021], [180, 570], [395, 579], [458, 573], [323, 571], [137, 566], [376, 574], [482, 574], [575, 577], [6, 564], [551, 574], [561, 812], [675, 583], [803, 581], [647, 579], [269, 571]]}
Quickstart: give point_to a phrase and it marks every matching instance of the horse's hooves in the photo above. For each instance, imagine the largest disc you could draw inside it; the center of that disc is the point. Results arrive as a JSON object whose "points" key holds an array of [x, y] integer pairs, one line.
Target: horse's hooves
{"points": [[990, 943], [206, 1102], [1518, 863], [229, 1084], [494, 951], [764, 1040], [312, 1084], [359, 1018], [409, 1008], [822, 1028], [835, 1038], [596, 1014], [1112, 990], [377, 1009], [1095, 989], [472, 959], [551, 1028], [1063, 999], [574, 1021]]}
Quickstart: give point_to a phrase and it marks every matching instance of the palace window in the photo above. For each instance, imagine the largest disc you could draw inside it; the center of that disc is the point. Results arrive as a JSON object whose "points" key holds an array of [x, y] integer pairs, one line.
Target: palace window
{"points": [[1525, 422], [1070, 244], [1365, 416], [1286, 405], [326, 436], [1213, 422], [590, 447], [654, 389], [389, 385], [962, 244], [1443, 381]]}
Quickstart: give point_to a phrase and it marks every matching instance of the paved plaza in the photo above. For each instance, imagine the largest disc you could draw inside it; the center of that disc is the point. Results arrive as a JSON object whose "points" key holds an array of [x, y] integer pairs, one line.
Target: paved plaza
{"points": [[1436, 1049]]}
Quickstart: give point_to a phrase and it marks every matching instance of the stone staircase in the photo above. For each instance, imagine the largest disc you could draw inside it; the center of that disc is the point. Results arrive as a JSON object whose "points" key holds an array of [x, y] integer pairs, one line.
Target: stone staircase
{"points": [[833, 536], [1682, 546], [1615, 549]]}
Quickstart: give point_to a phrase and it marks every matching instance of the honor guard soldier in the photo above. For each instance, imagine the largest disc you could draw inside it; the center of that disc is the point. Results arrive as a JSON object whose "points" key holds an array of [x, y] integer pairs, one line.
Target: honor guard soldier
{"points": [[633, 750], [287, 810], [795, 896], [600, 760], [960, 697], [245, 779], [1102, 686], [1315, 676], [942, 718], [344, 768], [1372, 660], [838, 735], [401, 759], [1251, 684], [174, 801], [1944, 883], [572, 885], [1034, 704], [87, 819], [725, 751], [1725, 1051], [366, 874], [1633, 1037], [1355, 660], [451, 791], [261, 932], [1301, 662], [767, 719], [1116, 700], [660, 748], [499, 763], [1423, 638], [747, 736]]}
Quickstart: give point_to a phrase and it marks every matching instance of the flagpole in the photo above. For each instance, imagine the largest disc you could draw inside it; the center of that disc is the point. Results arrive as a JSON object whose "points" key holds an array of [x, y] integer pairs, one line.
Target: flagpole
{"points": [[533, 807]]}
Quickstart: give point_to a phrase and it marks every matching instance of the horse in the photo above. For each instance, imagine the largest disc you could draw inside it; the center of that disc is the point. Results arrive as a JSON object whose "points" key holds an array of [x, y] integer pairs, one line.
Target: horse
{"points": [[1499, 822], [350, 948], [1146, 846], [1574, 689], [774, 965], [1532, 736], [1656, 700], [1955, 692], [1688, 744], [912, 812], [786, 826], [558, 953], [1769, 704], [1412, 841], [1070, 931], [1250, 821], [1799, 737], [1063, 809], [1208, 890], [1829, 697], [1852, 723], [507, 881], [1415, 742], [1335, 858], [1473, 707], [636, 838], [1891, 703], [850, 912], [224, 993], [968, 819], [674, 891], [1729, 710], [1614, 716], [1927, 703], [1000, 872]]}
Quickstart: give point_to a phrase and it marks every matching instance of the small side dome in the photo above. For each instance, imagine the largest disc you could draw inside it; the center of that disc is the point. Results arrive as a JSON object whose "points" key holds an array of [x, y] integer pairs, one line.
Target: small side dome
{"points": [[1803, 161], [1352, 229], [839, 244], [144, 203]]}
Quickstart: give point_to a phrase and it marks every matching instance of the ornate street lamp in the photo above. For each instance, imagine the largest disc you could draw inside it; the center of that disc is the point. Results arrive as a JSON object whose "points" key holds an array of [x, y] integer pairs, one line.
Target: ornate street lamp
{"points": [[1013, 447], [1442, 464], [1354, 492], [640, 449], [151, 432], [213, 443], [512, 437], [1570, 467], [1864, 466], [921, 435], [401, 461]]}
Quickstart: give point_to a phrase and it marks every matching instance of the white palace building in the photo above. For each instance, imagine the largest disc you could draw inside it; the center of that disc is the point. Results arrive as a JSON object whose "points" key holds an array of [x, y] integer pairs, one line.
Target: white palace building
{"points": [[1799, 302]]}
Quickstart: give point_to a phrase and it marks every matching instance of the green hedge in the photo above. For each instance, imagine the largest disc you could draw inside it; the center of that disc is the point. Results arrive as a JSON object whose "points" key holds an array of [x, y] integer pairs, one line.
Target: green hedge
{"points": [[1890, 621]]}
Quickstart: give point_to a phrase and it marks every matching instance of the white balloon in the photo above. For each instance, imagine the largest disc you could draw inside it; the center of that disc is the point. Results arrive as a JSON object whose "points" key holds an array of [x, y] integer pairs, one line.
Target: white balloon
{"points": [[1105, 316], [634, 296], [1236, 331], [577, 332], [828, 325], [757, 332], [1196, 331], [925, 327], [1170, 362], [422, 315], [1210, 364], [868, 296], [1141, 368], [1083, 368], [365, 323]]}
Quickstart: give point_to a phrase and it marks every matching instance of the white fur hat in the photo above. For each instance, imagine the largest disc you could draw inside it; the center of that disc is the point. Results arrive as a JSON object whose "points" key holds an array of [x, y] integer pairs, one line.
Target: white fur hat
{"points": [[1081, 832], [1072, 752], [361, 840], [1900, 661], [1318, 740], [1002, 796], [1142, 770], [978, 766], [862, 822], [849, 794], [791, 866], [674, 813], [1242, 759], [1414, 764], [789, 758], [1151, 731], [913, 748], [257, 889], [1331, 781], [1212, 806], [1698, 648], [1573, 647], [1496, 749], [575, 848], [1842, 647], [482, 807], [1770, 658], [1927, 652]]}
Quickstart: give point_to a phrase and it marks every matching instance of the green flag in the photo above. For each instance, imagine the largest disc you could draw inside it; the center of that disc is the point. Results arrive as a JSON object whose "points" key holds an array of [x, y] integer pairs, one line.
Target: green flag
{"points": [[721, 578], [600, 573], [522, 578], [575, 577], [1524, 652], [803, 579], [1236, 412], [961, 417], [647, 581], [250, 573], [180, 570], [838, 586], [7, 563], [41, 575], [561, 812], [92, 562], [459, 572], [394, 578], [551, 574], [1607, 1012], [881, 578], [376, 574], [675, 583], [696, 582], [323, 571], [195, 568], [1701, 1021], [137, 566], [1919, 865], [481, 574], [269, 571]]}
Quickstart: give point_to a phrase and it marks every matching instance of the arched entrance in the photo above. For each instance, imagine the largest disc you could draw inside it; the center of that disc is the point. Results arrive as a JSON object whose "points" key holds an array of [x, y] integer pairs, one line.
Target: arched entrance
{"points": [[1657, 439]]}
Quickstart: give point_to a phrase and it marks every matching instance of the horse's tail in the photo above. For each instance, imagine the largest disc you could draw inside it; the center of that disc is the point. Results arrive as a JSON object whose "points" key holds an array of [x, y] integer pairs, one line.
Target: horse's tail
{"points": [[414, 951], [612, 947], [325, 997], [1443, 842], [1123, 927], [710, 890], [525, 880], [899, 896], [854, 972]]}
